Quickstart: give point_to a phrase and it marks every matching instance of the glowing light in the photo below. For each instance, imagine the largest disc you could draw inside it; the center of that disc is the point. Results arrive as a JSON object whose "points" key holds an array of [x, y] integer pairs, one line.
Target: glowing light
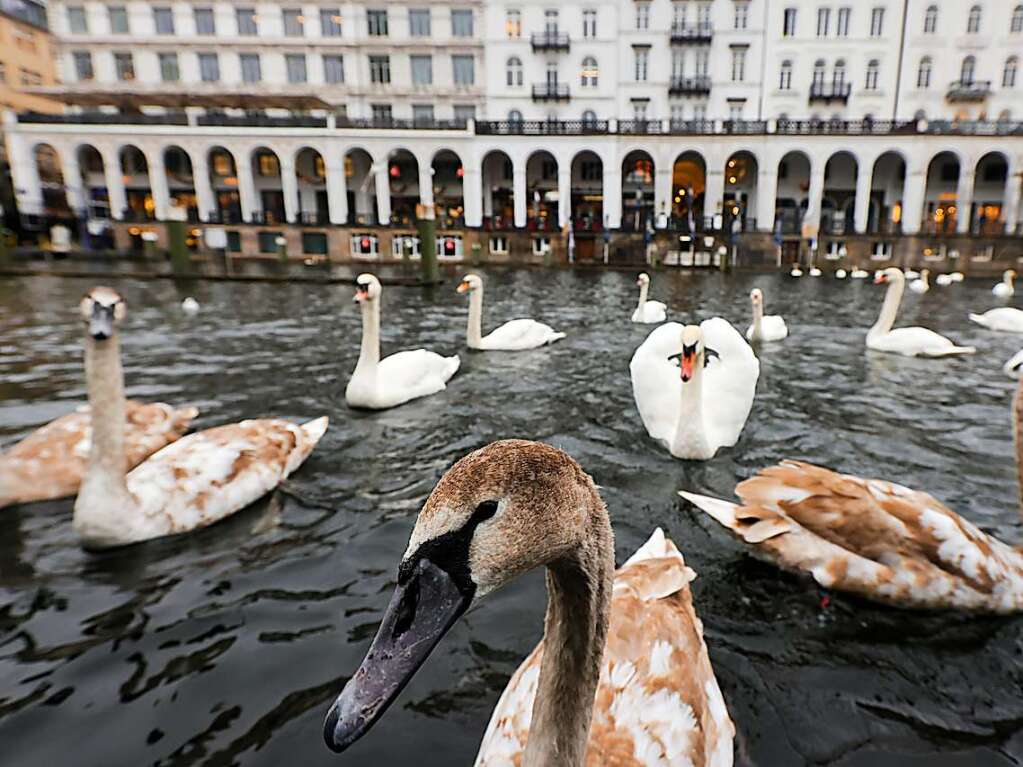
{"points": [[395, 171], [460, 172], [732, 179], [731, 163]]}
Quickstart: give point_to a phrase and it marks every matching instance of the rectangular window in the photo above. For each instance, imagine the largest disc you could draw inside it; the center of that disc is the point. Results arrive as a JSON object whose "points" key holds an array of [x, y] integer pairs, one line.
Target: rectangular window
{"points": [[268, 241], [678, 15], [499, 245], [463, 70], [419, 22], [870, 83], [163, 20], [843, 22], [295, 63], [169, 70], [700, 112], [589, 22], [330, 22], [461, 23], [464, 113], [333, 68], [124, 66], [678, 113], [314, 243], [642, 15], [738, 65], [267, 165], [877, 22], [735, 110], [823, 21], [294, 22], [118, 20], [376, 22], [246, 21], [422, 70], [678, 63], [639, 110], [380, 69], [741, 15], [785, 79], [702, 62], [252, 71], [83, 65], [550, 21], [703, 15], [209, 67], [422, 114], [76, 20], [204, 23], [381, 112], [641, 63], [789, 23], [234, 241], [513, 23]]}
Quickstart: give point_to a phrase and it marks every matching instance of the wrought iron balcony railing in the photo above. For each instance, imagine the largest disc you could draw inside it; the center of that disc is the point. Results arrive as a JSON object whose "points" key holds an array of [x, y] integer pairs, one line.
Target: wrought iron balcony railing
{"points": [[829, 92], [969, 90], [689, 86], [698, 34], [551, 92], [551, 41]]}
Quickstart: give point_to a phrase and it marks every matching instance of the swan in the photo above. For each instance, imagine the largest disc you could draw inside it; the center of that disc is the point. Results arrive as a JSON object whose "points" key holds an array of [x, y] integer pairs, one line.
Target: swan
{"points": [[911, 274], [840, 274], [921, 285], [712, 356], [944, 280], [648, 312], [377, 383], [1014, 367], [769, 328], [814, 272], [956, 276], [193, 482], [859, 274], [622, 675], [1006, 319], [1005, 288], [911, 342], [190, 306], [874, 538], [512, 336], [796, 271]]}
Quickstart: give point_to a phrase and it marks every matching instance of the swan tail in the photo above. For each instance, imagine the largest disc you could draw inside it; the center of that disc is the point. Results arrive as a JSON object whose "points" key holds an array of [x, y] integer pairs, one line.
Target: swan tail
{"points": [[453, 363], [953, 351], [310, 434], [753, 524], [182, 418], [555, 337], [722, 511], [315, 429]]}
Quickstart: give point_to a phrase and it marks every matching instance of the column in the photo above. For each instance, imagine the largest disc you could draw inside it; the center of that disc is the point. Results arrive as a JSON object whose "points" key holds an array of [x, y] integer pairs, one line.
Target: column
{"points": [[815, 196], [337, 191], [767, 196], [662, 192], [564, 193], [472, 195], [715, 193], [247, 197], [115, 184], [158, 186], [289, 185], [613, 195], [964, 200], [73, 183], [383, 187], [519, 194], [425, 183], [861, 213], [913, 199], [28, 187], [1010, 200], [204, 198]]}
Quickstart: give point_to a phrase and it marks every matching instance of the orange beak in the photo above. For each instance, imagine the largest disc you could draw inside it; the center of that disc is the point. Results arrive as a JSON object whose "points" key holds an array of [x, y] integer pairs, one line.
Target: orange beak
{"points": [[463, 287], [879, 279], [360, 295], [687, 365]]}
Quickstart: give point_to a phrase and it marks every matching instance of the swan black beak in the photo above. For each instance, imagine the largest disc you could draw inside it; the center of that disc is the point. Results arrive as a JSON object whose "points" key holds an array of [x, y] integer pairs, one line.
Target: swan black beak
{"points": [[101, 323], [422, 610]]}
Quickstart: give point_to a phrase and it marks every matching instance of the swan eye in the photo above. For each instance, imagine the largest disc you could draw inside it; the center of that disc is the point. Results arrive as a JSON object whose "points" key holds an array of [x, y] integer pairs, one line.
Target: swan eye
{"points": [[484, 511]]}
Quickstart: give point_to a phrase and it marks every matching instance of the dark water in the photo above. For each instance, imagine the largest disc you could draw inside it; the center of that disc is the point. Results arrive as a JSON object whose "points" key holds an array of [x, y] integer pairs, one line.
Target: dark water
{"points": [[226, 646]]}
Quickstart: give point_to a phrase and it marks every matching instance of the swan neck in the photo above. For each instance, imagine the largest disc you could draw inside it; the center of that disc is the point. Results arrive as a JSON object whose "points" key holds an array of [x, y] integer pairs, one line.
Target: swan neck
{"points": [[644, 291], [579, 589], [758, 320], [1017, 423], [890, 307], [369, 353], [474, 331], [689, 428]]}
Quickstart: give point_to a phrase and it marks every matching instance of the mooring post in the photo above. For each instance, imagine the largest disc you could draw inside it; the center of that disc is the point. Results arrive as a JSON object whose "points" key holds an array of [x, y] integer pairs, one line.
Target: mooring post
{"points": [[177, 245], [426, 225]]}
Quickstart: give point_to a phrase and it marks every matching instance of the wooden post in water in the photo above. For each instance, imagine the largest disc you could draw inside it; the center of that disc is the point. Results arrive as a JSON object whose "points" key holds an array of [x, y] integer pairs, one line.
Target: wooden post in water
{"points": [[177, 245], [426, 225]]}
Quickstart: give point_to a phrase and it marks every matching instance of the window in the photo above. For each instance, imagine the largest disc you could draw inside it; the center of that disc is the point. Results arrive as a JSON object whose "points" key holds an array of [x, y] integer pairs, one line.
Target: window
{"points": [[973, 20], [83, 65], [552, 73], [931, 20], [842, 29], [1016, 23], [703, 15], [1009, 72], [639, 110], [294, 22], [118, 17], [513, 72], [823, 21], [923, 73], [251, 69], [515, 116], [968, 70], [873, 72], [678, 113], [380, 69], [209, 67], [464, 112], [877, 22], [422, 69], [330, 22], [699, 113], [499, 245], [376, 22], [419, 22], [641, 63], [741, 15], [838, 74], [590, 170], [590, 72], [735, 109], [513, 23], [169, 70], [589, 22], [124, 66], [76, 20], [422, 114], [463, 70], [642, 15], [589, 118], [268, 241], [163, 20], [365, 244], [246, 18], [789, 23], [381, 112], [702, 62], [31, 78], [678, 14], [738, 64], [204, 23], [314, 243], [785, 78], [678, 63], [818, 72], [333, 68], [461, 23], [550, 21]]}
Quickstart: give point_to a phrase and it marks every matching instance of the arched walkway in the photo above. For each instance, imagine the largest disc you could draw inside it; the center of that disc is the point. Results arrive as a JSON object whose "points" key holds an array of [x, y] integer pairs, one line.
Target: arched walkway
{"points": [[688, 188], [637, 191], [448, 193], [94, 182], [587, 197], [941, 208], [137, 191], [838, 207], [362, 194], [266, 177], [740, 200], [542, 191], [498, 191], [181, 181], [887, 187], [793, 190], [223, 174], [311, 180], [403, 182], [988, 209]]}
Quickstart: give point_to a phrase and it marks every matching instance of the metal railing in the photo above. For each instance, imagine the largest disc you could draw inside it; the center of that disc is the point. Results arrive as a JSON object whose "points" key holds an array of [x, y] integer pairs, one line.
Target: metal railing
{"points": [[689, 85], [692, 33], [550, 92], [542, 128], [261, 121], [550, 41], [828, 92], [103, 118], [969, 90], [391, 123]]}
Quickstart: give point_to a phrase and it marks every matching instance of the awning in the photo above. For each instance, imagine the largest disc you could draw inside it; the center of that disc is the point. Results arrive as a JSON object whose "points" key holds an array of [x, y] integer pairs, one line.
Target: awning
{"points": [[171, 99]]}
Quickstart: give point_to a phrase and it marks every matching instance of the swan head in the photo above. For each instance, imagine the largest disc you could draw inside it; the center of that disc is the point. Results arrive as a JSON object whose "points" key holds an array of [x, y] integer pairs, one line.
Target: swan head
{"points": [[694, 354], [1009, 275], [498, 512], [925, 273], [469, 283], [367, 288], [891, 274], [757, 297], [102, 310], [643, 279]]}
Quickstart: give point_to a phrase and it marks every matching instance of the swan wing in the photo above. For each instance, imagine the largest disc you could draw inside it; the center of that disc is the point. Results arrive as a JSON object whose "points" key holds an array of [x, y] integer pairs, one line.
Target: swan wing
{"points": [[658, 701], [516, 335], [1005, 318], [915, 341], [655, 381], [415, 373], [871, 537], [731, 377]]}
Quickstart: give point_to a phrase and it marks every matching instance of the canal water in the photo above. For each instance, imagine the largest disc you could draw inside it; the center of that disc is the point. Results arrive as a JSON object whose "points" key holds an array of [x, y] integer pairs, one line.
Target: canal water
{"points": [[225, 647]]}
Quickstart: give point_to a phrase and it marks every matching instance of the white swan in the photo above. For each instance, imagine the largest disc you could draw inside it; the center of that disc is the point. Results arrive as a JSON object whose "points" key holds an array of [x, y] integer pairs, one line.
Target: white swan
{"points": [[676, 410], [1006, 288], [859, 274], [814, 271], [910, 342], [840, 274], [191, 483], [190, 306], [378, 383], [512, 336], [944, 280], [1006, 319], [921, 285], [648, 312], [911, 274], [769, 328], [1014, 367], [956, 276], [622, 676], [796, 271]]}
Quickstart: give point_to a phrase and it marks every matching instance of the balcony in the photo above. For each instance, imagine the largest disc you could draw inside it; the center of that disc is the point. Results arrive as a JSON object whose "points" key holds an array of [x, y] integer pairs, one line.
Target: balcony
{"points": [[828, 93], [258, 120], [968, 91], [692, 34], [551, 92], [542, 128], [550, 41], [689, 86], [104, 118]]}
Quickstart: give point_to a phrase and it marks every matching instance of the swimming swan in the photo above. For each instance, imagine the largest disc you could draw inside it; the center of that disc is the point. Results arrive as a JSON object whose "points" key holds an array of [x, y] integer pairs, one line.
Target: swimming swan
{"points": [[921, 285], [1006, 288], [1007, 319], [512, 336], [648, 312], [769, 328]]}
